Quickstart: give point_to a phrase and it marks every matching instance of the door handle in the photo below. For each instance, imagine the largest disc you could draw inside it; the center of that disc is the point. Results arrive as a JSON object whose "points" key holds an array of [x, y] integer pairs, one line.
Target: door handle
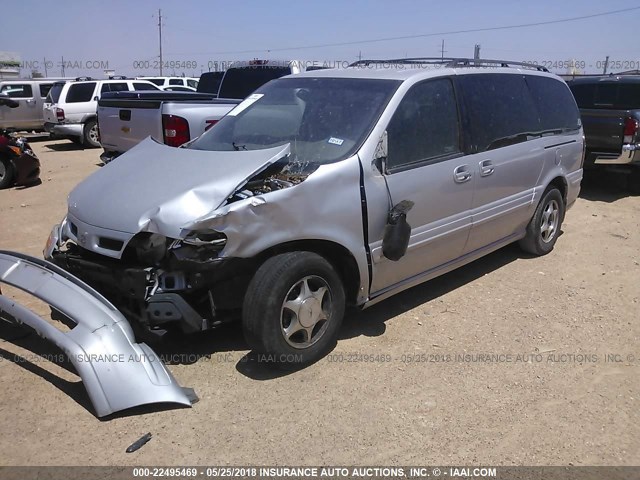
{"points": [[486, 168], [30, 101], [461, 174]]}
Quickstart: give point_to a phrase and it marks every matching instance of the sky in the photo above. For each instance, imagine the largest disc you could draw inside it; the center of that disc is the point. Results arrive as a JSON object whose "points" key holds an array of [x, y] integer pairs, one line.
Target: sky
{"points": [[198, 35]]}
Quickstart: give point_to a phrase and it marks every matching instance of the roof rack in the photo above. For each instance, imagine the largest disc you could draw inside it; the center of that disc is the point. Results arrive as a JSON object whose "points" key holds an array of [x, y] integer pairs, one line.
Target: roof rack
{"points": [[451, 62]]}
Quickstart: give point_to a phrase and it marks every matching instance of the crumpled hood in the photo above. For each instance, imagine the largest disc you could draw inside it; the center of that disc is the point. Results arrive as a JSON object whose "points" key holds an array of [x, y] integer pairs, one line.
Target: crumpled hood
{"points": [[157, 188]]}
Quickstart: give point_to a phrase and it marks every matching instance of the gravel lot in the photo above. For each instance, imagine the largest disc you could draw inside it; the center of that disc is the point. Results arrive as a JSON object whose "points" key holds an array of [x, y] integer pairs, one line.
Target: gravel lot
{"points": [[550, 398]]}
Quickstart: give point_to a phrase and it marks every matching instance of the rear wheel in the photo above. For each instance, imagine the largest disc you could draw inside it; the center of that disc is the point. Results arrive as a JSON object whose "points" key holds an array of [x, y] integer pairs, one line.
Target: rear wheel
{"points": [[91, 136], [6, 173], [544, 228], [293, 309]]}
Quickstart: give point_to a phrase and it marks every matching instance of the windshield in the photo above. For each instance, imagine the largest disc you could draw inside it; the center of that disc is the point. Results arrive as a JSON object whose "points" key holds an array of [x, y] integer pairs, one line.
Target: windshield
{"points": [[324, 119]]}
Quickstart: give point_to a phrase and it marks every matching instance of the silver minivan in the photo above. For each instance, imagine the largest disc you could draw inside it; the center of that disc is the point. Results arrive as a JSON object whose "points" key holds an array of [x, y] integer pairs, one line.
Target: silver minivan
{"points": [[323, 190]]}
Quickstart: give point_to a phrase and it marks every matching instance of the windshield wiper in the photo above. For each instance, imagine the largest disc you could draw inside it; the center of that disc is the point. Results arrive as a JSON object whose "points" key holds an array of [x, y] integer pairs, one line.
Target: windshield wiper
{"points": [[238, 147]]}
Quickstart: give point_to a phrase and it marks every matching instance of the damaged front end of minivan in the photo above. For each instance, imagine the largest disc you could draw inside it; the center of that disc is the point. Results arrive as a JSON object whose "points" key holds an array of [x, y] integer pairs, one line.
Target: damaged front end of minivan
{"points": [[180, 234]]}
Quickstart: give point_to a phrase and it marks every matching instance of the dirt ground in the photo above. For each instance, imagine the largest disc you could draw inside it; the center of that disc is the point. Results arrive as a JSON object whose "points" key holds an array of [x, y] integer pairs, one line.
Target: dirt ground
{"points": [[545, 393]]}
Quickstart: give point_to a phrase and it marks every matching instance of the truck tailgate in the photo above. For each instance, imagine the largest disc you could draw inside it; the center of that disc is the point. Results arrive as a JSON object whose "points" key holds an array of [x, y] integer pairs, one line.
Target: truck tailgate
{"points": [[604, 129], [124, 124]]}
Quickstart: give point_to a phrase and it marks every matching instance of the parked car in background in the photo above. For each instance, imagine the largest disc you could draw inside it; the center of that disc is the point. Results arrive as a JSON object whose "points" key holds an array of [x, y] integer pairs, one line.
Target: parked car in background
{"points": [[326, 189], [177, 88], [30, 94], [172, 81], [127, 119], [18, 164], [610, 110], [70, 107]]}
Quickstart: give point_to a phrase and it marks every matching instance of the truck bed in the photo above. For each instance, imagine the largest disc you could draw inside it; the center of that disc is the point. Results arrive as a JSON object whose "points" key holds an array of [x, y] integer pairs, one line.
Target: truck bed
{"points": [[127, 118]]}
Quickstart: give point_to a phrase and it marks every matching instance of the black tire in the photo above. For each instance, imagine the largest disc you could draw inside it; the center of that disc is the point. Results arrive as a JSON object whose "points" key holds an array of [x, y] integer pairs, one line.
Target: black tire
{"points": [[6, 173], [265, 318], [90, 134], [538, 241]]}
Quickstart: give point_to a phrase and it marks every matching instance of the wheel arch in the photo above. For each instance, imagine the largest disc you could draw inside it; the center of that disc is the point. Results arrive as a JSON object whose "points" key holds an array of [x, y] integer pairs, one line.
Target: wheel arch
{"points": [[561, 184], [340, 258]]}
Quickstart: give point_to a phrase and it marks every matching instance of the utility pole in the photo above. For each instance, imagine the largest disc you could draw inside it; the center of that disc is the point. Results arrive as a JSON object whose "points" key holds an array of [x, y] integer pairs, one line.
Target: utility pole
{"points": [[442, 50], [606, 65], [45, 67], [62, 69], [476, 52], [160, 36]]}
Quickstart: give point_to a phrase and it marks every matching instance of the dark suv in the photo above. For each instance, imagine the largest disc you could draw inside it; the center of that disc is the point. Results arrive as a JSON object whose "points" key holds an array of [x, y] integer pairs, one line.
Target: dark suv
{"points": [[610, 110]]}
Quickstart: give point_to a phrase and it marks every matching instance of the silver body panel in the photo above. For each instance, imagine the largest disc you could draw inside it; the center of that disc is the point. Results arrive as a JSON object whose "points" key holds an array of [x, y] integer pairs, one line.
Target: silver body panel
{"points": [[117, 372]]}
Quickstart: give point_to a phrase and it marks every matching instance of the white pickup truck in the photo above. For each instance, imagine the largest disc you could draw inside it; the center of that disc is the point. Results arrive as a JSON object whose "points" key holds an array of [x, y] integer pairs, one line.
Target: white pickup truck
{"points": [[174, 118]]}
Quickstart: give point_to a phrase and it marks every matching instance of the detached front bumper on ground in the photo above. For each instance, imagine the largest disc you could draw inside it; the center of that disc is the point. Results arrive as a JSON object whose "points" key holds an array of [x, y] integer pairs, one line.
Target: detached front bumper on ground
{"points": [[117, 372]]}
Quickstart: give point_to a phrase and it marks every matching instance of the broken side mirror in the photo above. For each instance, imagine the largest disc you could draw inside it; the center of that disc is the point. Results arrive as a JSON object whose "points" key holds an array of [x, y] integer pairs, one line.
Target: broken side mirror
{"points": [[397, 232], [380, 156]]}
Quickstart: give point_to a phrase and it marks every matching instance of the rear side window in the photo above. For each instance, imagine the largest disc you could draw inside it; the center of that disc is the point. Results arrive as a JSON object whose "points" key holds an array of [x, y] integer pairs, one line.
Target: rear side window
{"points": [[555, 103], [114, 87], [143, 86], [81, 92], [501, 110], [425, 125], [44, 89], [18, 90], [156, 81], [175, 81]]}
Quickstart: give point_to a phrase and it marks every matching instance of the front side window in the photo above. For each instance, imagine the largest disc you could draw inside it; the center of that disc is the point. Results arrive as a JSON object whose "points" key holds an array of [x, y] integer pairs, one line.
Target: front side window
{"points": [[501, 110], [323, 119], [81, 92], [175, 81], [192, 83], [17, 90], [425, 126]]}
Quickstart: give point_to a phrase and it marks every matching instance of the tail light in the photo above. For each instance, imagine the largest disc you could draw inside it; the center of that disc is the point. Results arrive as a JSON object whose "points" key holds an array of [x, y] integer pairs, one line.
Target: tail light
{"points": [[60, 114], [176, 130], [630, 129]]}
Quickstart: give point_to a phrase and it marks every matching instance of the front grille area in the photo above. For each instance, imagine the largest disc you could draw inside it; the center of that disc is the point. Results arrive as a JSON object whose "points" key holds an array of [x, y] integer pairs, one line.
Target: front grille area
{"points": [[110, 243]]}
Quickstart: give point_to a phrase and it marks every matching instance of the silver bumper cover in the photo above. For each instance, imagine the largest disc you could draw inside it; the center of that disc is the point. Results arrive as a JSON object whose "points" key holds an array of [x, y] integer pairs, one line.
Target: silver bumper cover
{"points": [[117, 372]]}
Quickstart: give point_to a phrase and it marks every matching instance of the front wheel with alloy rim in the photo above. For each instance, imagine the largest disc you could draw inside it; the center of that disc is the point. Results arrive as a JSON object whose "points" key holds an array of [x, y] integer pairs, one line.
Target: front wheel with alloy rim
{"points": [[293, 309], [544, 228], [91, 135]]}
